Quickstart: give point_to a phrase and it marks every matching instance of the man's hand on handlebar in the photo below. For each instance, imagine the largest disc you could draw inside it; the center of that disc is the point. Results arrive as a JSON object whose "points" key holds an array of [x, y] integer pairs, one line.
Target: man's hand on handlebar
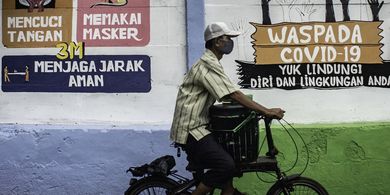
{"points": [[275, 113]]}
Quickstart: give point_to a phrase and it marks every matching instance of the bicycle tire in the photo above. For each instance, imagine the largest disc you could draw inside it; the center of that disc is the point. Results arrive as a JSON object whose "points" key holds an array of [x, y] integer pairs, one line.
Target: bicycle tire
{"points": [[297, 185], [151, 186]]}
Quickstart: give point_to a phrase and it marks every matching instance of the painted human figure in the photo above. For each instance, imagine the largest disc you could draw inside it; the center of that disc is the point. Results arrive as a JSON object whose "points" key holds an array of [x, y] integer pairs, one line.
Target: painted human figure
{"points": [[27, 76], [34, 4], [6, 77]]}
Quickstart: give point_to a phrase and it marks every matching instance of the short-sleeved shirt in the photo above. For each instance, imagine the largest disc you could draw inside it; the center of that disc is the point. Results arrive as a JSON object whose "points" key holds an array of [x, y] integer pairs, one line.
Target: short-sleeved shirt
{"points": [[205, 83]]}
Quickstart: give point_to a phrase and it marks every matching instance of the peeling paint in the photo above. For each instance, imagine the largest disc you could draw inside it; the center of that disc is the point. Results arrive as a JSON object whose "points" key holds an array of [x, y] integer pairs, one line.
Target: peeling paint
{"points": [[354, 152], [318, 144]]}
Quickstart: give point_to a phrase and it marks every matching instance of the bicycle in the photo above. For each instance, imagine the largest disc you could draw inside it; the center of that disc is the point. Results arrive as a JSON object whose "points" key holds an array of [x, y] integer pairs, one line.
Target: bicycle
{"points": [[158, 177]]}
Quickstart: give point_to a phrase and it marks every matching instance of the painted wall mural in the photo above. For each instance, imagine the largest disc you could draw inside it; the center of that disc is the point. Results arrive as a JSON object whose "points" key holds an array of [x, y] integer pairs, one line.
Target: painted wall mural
{"points": [[48, 23], [311, 54], [36, 23], [99, 24], [93, 73]]}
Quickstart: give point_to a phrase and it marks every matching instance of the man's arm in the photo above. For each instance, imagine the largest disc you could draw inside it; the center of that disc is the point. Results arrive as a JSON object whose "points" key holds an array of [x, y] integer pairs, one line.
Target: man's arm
{"points": [[238, 96]]}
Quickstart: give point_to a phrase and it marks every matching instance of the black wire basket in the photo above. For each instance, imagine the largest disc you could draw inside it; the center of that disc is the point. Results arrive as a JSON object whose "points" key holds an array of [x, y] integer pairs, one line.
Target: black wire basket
{"points": [[236, 128]]}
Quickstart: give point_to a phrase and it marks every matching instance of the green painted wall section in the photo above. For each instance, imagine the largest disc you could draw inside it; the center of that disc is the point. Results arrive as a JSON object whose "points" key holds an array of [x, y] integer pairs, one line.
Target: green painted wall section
{"points": [[344, 158]]}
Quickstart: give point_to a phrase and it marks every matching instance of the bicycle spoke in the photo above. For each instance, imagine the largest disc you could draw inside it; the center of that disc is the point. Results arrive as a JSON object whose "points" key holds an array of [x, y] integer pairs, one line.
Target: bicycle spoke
{"points": [[153, 191], [300, 190]]}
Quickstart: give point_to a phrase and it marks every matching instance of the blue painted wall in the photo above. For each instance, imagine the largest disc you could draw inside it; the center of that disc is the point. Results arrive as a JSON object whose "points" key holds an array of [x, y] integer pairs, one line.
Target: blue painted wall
{"points": [[37, 159], [195, 29]]}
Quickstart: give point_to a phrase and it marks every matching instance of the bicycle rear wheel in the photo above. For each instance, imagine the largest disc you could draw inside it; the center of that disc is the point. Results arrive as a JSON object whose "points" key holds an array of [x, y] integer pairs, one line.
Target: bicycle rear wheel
{"points": [[152, 186], [298, 185]]}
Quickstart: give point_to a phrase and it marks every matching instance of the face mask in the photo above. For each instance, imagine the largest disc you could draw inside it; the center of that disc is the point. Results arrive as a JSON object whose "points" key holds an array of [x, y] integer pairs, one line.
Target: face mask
{"points": [[228, 47]]}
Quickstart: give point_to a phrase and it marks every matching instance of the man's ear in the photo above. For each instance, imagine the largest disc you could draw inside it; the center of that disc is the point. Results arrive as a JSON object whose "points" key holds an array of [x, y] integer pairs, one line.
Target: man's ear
{"points": [[217, 42]]}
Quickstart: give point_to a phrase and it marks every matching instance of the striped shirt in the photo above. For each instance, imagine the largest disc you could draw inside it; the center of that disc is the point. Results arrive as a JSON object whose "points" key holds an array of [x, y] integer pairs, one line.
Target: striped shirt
{"points": [[205, 83]]}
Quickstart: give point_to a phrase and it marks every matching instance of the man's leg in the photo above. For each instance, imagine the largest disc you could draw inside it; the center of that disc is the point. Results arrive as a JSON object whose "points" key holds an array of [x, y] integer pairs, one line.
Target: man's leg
{"points": [[228, 189], [210, 155], [202, 189]]}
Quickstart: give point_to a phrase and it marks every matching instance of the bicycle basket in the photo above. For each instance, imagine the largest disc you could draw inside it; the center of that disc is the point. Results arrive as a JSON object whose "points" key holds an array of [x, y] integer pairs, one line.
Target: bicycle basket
{"points": [[242, 144]]}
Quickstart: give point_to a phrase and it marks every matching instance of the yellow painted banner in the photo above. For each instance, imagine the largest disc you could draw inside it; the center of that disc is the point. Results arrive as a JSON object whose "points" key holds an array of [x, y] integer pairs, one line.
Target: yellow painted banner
{"points": [[318, 54], [337, 33], [31, 27], [318, 42]]}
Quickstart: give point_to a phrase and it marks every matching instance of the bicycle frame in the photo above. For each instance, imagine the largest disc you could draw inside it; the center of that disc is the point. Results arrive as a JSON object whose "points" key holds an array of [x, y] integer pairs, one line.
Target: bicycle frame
{"points": [[267, 163]]}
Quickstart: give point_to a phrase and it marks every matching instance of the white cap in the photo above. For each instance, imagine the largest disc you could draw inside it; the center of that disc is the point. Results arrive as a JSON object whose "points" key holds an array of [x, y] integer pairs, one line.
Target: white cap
{"points": [[218, 29]]}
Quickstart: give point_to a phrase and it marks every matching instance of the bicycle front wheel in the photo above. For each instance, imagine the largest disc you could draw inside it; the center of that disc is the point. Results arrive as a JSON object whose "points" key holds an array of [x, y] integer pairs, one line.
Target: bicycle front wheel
{"points": [[151, 186], [298, 185]]}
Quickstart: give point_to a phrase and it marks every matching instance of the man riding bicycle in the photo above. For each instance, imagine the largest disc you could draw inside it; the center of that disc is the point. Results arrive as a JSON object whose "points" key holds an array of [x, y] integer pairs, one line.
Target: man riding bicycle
{"points": [[205, 83]]}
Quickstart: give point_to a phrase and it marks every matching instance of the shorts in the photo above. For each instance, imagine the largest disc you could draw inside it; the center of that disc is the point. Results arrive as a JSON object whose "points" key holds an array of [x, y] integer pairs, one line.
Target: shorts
{"points": [[208, 154]]}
